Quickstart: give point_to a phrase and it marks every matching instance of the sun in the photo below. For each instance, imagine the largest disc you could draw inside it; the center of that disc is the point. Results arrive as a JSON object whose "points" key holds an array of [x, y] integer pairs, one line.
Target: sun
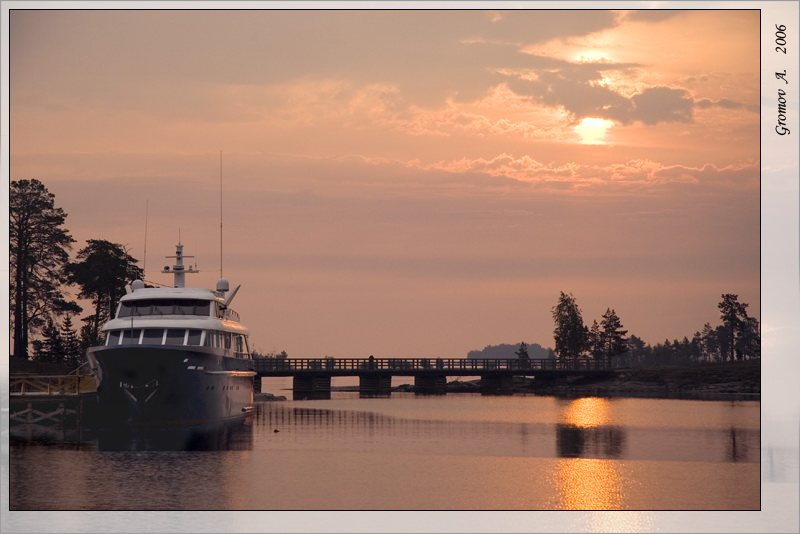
{"points": [[593, 130]]}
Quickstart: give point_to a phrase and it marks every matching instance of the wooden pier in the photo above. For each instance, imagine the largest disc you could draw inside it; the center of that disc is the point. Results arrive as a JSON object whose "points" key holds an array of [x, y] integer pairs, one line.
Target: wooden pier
{"points": [[48, 400]]}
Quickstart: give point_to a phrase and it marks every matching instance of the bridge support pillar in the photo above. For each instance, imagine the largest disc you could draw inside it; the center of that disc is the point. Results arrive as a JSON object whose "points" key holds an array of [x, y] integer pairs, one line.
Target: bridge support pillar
{"points": [[430, 384], [375, 385], [311, 387], [497, 385]]}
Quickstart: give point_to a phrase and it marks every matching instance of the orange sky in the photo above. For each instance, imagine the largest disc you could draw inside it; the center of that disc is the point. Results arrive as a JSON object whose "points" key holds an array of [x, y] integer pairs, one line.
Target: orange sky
{"points": [[409, 183]]}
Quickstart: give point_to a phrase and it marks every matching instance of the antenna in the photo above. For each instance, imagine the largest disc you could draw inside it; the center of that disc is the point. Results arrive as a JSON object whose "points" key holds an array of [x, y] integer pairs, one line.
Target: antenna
{"points": [[220, 214], [146, 213]]}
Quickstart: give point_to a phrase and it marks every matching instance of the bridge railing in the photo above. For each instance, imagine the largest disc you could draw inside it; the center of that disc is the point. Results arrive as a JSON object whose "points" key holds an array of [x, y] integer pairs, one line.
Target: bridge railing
{"points": [[423, 364], [44, 385]]}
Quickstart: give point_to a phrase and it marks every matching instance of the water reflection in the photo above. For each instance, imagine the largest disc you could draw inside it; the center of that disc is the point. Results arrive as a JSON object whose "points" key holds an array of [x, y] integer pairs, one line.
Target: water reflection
{"points": [[589, 484], [586, 412], [599, 442], [583, 430], [214, 437], [738, 449], [587, 480]]}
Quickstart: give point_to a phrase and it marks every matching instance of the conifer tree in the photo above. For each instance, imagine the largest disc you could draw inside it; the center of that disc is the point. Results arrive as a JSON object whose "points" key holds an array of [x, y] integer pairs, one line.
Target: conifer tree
{"points": [[571, 335], [612, 336], [102, 271], [39, 253]]}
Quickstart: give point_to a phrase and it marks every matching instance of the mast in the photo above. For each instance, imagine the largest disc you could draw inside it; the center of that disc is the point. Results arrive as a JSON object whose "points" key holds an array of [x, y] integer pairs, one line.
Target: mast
{"points": [[146, 214], [220, 214], [178, 270]]}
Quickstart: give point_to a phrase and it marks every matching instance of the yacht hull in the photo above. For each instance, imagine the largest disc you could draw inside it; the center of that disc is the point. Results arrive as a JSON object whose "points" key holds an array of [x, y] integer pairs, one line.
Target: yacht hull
{"points": [[170, 384]]}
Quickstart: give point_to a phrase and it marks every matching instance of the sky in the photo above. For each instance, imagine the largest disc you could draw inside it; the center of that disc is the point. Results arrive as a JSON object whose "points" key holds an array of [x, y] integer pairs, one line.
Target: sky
{"points": [[425, 183], [408, 183]]}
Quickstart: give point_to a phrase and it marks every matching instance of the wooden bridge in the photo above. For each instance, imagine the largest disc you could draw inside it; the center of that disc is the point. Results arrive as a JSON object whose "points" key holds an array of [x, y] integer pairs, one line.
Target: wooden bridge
{"points": [[312, 378]]}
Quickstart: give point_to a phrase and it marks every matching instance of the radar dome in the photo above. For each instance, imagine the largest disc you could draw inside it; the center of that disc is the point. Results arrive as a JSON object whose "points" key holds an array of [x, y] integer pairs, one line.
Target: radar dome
{"points": [[222, 285], [137, 284]]}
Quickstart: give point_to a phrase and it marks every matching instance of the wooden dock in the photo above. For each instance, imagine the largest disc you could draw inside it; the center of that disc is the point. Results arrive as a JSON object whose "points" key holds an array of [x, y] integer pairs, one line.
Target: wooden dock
{"points": [[48, 399]]}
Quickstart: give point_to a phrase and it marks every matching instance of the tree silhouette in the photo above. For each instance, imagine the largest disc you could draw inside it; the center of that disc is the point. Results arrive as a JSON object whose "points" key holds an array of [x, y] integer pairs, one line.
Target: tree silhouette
{"points": [[612, 336], [102, 272], [743, 338], [571, 335], [38, 253]]}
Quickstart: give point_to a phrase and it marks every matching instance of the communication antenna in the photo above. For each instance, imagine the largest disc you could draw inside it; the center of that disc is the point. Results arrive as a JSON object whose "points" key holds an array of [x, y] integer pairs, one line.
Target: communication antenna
{"points": [[220, 214], [146, 213]]}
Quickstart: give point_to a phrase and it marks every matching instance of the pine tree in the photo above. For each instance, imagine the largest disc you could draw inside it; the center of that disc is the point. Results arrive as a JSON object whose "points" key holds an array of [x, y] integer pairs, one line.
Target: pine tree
{"points": [[50, 348], [596, 341], [571, 335], [39, 253], [102, 272], [612, 336], [71, 344], [744, 339]]}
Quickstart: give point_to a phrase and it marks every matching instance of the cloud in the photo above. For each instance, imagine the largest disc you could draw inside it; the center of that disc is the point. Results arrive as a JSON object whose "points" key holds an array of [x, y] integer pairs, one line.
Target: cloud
{"points": [[661, 104], [633, 174], [725, 103]]}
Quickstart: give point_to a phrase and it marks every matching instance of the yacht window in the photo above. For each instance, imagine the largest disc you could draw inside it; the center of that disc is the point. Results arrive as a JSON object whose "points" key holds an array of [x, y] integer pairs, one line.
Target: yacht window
{"points": [[131, 337], [194, 337], [226, 340], [113, 338], [163, 307], [175, 337], [153, 336], [125, 310], [143, 307], [240, 344]]}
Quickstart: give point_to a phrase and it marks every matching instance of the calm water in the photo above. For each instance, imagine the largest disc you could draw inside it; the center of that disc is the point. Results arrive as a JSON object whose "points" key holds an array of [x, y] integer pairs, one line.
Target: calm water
{"points": [[455, 452]]}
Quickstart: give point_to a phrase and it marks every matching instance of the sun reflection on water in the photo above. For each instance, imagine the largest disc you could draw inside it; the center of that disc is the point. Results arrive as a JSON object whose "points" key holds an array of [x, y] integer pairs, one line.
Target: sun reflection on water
{"points": [[586, 412], [589, 484]]}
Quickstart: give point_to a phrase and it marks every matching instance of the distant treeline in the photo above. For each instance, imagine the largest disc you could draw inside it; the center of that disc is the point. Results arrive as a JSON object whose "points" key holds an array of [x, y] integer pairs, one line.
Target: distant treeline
{"points": [[737, 338], [505, 351]]}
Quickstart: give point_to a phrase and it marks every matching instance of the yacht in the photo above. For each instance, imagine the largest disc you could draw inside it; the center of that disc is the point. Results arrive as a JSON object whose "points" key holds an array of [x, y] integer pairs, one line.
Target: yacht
{"points": [[174, 355]]}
